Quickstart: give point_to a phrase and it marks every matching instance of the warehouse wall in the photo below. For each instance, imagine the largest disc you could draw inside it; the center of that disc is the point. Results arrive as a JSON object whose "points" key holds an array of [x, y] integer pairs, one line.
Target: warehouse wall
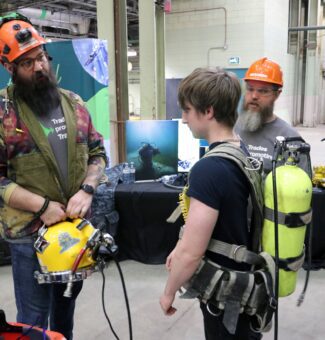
{"points": [[219, 32]]}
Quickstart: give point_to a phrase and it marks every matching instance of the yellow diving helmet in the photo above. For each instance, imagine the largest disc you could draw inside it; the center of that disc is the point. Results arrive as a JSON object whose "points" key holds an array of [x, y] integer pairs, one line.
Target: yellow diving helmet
{"points": [[65, 251]]}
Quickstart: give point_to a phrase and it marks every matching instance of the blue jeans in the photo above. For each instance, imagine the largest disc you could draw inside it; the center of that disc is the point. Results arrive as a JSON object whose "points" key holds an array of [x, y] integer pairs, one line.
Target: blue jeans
{"points": [[37, 303]]}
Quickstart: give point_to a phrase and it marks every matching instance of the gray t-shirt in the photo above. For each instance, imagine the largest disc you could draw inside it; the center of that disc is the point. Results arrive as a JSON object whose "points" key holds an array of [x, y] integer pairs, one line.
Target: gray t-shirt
{"points": [[260, 143], [55, 129]]}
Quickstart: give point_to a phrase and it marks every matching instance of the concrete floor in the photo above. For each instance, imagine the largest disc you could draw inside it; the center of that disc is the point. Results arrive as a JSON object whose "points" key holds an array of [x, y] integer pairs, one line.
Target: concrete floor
{"points": [[145, 283]]}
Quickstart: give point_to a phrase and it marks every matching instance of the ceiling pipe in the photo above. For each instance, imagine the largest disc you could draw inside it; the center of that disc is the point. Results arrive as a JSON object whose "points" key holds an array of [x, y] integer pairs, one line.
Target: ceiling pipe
{"points": [[75, 24], [81, 3], [306, 28]]}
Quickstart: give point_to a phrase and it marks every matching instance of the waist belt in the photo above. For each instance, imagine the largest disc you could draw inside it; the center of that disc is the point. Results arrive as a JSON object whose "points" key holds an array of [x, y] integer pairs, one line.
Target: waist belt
{"points": [[235, 292]]}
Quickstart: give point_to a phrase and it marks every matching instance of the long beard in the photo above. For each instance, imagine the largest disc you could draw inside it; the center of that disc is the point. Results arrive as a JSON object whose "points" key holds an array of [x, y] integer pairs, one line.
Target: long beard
{"points": [[251, 121], [40, 92]]}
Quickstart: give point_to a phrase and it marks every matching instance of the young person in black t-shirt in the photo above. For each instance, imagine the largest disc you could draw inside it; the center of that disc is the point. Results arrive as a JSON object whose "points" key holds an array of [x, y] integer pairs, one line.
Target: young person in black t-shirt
{"points": [[218, 192]]}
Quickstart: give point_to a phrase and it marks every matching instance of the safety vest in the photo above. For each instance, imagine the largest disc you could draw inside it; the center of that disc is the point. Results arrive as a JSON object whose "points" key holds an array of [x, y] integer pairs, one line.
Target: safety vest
{"points": [[229, 291]]}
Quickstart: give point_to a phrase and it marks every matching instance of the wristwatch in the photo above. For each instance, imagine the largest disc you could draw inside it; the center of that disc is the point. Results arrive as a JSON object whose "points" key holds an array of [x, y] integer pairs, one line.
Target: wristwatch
{"points": [[87, 188]]}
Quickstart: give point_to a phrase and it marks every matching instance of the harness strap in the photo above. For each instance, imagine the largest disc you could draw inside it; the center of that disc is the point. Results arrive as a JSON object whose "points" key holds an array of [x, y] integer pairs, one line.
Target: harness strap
{"points": [[291, 220], [292, 263], [270, 264], [262, 318], [238, 286], [263, 290], [204, 282], [175, 215], [235, 252], [250, 168]]}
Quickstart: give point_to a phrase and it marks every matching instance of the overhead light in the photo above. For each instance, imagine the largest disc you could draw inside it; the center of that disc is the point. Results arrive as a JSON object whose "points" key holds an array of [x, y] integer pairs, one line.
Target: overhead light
{"points": [[132, 53], [130, 66]]}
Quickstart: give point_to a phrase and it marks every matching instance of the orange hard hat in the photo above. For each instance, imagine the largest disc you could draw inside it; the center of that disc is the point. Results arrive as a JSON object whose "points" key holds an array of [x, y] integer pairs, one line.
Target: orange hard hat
{"points": [[17, 36], [265, 70]]}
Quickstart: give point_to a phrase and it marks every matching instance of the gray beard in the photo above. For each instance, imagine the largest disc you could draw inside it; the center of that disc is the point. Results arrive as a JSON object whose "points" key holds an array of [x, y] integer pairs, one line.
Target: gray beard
{"points": [[251, 121]]}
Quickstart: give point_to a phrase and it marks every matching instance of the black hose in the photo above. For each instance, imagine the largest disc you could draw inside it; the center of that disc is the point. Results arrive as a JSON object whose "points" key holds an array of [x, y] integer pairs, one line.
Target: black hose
{"points": [[125, 297], [276, 249], [303, 293], [103, 302], [309, 240], [171, 186]]}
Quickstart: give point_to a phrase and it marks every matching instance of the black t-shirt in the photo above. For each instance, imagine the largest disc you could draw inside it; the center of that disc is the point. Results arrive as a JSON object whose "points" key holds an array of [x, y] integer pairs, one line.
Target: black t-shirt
{"points": [[221, 184]]}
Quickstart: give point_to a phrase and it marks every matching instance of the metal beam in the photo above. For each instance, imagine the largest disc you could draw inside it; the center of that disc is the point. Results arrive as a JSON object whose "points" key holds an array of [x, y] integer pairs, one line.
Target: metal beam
{"points": [[121, 69], [306, 28]]}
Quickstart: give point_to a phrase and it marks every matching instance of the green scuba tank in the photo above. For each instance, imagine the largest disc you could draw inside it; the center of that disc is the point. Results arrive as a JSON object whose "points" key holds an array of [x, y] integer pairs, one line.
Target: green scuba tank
{"points": [[294, 192]]}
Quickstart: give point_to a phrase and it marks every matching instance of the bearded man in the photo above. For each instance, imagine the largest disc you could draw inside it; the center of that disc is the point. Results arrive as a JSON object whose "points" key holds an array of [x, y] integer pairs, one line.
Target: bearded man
{"points": [[51, 161], [257, 124]]}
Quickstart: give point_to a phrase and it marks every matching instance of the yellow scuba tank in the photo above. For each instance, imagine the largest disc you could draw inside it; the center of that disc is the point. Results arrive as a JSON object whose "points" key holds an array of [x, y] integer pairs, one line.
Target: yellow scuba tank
{"points": [[294, 192]]}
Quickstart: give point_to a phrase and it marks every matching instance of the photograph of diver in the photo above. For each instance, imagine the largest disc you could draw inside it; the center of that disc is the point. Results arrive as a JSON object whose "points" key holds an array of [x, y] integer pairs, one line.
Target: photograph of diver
{"points": [[153, 148]]}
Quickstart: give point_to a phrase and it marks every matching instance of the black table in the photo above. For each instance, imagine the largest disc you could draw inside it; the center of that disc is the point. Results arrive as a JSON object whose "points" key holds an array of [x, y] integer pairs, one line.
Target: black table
{"points": [[143, 233], [145, 236]]}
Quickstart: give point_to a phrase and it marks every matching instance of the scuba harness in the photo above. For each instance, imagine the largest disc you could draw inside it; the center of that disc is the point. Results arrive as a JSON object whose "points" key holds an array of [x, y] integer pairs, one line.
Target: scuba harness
{"points": [[254, 292]]}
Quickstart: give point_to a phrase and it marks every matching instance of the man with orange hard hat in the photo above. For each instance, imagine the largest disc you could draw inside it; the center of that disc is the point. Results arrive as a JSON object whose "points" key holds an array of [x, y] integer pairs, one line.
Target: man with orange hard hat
{"points": [[257, 124], [51, 161]]}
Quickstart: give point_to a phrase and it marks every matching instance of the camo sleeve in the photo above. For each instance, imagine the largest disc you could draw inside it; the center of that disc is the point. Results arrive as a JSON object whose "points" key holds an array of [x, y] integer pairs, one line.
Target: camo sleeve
{"points": [[6, 185], [97, 154]]}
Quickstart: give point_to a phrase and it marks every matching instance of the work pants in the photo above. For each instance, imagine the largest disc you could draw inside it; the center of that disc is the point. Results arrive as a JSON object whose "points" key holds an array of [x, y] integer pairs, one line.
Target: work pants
{"points": [[215, 330]]}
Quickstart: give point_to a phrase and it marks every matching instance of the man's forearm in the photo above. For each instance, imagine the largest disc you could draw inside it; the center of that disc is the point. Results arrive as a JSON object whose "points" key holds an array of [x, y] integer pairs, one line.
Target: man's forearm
{"points": [[183, 266], [95, 172], [25, 200]]}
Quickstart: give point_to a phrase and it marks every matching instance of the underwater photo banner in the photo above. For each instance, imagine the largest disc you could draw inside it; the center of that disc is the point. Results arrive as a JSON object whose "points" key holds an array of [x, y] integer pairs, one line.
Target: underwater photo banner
{"points": [[152, 145]]}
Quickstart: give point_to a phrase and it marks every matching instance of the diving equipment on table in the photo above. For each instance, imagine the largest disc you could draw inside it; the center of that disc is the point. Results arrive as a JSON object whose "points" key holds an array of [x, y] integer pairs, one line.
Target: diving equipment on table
{"points": [[319, 176]]}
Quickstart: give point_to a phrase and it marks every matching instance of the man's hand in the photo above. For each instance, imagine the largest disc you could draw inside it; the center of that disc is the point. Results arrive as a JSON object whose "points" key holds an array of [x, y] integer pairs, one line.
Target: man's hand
{"points": [[166, 304], [79, 204], [54, 213]]}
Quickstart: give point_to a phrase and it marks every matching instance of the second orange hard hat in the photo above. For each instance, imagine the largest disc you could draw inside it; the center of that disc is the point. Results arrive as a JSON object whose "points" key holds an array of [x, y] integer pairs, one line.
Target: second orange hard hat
{"points": [[265, 70]]}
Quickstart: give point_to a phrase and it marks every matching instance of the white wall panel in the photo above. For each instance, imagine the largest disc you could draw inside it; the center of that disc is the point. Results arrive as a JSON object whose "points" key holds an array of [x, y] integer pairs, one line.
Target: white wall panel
{"points": [[190, 35], [255, 28]]}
